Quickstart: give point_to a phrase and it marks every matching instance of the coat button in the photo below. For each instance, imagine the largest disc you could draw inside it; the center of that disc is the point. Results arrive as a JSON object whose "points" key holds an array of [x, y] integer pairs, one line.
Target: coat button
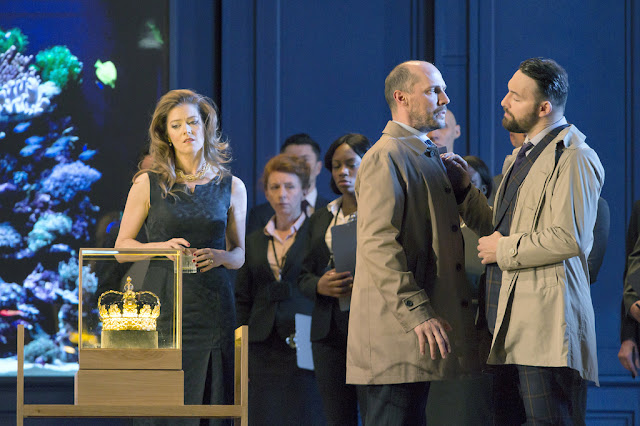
{"points": [[447, 189], [432, 153], [458, 266], [409, 303], [454, 228], [512, 252]]}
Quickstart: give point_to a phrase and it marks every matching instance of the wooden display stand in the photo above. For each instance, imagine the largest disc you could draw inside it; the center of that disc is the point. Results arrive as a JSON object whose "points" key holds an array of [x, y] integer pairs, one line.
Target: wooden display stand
{"points": [[89, 406]]}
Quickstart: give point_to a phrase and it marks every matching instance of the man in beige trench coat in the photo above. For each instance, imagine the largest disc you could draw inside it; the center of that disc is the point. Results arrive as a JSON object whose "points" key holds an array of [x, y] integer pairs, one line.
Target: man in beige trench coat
{"points": [[537, 241], [411, 317]]}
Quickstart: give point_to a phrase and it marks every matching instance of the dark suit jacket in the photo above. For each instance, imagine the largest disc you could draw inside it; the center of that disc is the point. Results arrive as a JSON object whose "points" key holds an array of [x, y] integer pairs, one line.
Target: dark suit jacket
{"points": [[255, 284], [600, 238], [260, 214], [630, 329], [316, 259]]}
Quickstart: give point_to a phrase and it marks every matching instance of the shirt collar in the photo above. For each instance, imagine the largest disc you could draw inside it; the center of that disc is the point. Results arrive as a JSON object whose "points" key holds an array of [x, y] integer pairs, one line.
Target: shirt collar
{"points": [[270, 228], [334, 206], [312, 196], [422, 136], [544, 132]]}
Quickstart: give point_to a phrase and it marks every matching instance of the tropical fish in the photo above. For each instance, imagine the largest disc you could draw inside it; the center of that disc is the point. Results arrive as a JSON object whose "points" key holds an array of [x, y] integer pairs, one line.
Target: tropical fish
{"points": [[87, 338], [87, 154], [10, 313], [106, 73], [60, 248], [69, 349], [22, 127], [34, 140], [29, 150]]}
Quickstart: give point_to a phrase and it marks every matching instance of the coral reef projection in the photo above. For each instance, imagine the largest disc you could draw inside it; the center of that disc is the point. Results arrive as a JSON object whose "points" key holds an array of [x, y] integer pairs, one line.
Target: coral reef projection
{"points": [[45, 210]]}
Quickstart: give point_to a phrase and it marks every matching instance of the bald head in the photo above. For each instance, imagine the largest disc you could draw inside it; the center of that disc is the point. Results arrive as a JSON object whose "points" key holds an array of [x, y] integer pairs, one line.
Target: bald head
{"points": [[447, 135], [415, 92]]}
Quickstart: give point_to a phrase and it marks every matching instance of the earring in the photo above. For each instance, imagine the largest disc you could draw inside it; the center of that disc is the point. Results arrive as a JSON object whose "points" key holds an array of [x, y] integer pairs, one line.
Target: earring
{"points": [[170, 143]]}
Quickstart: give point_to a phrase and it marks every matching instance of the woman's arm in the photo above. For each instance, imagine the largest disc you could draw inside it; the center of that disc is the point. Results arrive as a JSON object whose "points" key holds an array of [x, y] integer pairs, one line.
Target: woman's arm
{"points": [[135, 213]]}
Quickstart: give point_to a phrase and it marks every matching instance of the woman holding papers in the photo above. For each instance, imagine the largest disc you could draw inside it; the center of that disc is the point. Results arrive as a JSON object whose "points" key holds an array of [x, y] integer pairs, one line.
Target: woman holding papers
{"points": [[330, 289], [267, 299]]}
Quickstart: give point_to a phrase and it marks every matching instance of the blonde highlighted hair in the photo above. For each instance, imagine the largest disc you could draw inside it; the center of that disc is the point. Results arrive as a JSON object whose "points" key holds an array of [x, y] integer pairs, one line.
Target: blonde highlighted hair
{"points": [[216, 150]]}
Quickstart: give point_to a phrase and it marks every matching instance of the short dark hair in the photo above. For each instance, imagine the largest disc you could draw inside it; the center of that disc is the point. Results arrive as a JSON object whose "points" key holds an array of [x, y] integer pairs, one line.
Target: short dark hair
{"points": [[287, 164], [552, 79], [483, 170], [400, 78], [301, 139], [357, 142]]}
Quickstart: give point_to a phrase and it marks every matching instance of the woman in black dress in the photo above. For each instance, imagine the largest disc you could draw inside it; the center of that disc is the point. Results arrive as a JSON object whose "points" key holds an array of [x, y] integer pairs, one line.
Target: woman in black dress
{"points": [[321, 283], [267, 299], [188, 200]]}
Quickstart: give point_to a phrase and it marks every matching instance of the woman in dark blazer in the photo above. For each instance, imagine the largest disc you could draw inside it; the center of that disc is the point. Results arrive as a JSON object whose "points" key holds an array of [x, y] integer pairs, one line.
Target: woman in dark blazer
{"points": [[267, 299], [320, 283]]}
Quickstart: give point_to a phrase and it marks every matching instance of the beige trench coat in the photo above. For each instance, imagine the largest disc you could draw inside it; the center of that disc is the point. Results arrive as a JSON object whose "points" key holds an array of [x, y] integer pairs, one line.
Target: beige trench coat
{"points": [[545, 314], [409, 268]]}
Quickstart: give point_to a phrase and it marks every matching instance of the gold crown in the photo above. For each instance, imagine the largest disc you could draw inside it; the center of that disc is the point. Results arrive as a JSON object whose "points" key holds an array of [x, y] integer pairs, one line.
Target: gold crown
{"points": [[129, 310]]}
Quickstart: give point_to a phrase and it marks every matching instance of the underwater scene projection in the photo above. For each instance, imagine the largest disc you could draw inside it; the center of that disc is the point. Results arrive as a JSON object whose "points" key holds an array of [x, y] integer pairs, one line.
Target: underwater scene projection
{"points": [[78, 83]]}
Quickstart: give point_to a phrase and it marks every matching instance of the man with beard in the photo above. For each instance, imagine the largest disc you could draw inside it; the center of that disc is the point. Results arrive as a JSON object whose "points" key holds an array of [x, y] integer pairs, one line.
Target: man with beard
{"points": [[411, 317], [538, 302]]}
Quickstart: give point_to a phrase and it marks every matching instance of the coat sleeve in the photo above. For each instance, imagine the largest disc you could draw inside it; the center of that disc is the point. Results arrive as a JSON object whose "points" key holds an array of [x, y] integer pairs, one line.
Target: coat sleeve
{"points": [[629, 327], [573, 207], [381, 192], [632, 277], [476, 213]]}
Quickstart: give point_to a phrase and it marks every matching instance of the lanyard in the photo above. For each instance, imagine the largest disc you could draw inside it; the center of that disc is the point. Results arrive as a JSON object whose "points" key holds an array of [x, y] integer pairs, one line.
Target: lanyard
{"points": [[279, 262]]}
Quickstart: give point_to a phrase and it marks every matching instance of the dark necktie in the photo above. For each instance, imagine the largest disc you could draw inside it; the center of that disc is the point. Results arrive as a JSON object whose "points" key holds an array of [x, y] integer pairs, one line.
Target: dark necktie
{"points": [[522, 154], [306, 207]]}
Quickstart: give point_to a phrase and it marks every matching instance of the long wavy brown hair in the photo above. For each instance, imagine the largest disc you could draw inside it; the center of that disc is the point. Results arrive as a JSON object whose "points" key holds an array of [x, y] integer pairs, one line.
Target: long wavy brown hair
{"points": [[216, 149]]}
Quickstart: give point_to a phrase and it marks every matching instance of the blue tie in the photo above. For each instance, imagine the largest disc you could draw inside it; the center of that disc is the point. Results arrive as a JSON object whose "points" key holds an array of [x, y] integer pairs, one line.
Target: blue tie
{"points": [[522, 154]]}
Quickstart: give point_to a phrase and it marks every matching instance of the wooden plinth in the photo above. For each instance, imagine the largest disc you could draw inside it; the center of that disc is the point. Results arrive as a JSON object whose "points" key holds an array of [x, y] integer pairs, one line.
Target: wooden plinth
{"points": [[129, 387], [130, 359]]}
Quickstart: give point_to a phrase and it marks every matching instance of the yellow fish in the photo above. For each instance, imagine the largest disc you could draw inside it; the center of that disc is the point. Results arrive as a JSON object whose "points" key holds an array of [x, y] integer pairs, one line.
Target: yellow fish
{"points": [[106, 73], [88, 339]]}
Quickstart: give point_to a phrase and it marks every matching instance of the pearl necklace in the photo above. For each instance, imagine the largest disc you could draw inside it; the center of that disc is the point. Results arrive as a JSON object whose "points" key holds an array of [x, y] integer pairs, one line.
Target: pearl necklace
{"points": [[196, 176]]}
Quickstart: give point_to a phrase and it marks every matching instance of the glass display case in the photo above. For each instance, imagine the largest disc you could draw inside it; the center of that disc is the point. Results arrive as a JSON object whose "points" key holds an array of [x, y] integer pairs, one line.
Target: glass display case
{"points": [[129, 314]]}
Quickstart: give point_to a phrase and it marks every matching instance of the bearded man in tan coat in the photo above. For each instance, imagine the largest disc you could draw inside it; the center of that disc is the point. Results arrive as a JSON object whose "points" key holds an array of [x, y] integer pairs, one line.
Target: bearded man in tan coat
{"points": [[536, 243], [411, 317]]}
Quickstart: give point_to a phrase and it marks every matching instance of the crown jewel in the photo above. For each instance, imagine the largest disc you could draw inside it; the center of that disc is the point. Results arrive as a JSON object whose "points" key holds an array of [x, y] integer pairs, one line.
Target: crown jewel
{"points": [[129, 310]]}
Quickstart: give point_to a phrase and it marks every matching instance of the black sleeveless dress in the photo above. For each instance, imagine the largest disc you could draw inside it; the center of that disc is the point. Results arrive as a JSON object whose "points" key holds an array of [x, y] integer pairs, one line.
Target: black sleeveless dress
{"points": [[208, 307]]}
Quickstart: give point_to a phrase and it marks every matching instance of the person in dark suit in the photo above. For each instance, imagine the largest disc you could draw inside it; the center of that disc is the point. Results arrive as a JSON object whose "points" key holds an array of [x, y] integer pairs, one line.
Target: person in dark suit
{"points": [[321, 283], [267, 299], [303, 146], [630, 328]]}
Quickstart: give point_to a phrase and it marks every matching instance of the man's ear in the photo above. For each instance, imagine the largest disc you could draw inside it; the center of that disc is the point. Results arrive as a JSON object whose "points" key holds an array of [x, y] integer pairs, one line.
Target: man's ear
{"points": [[400, 97], [456, 131], [545, 109], [483, 188]]}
